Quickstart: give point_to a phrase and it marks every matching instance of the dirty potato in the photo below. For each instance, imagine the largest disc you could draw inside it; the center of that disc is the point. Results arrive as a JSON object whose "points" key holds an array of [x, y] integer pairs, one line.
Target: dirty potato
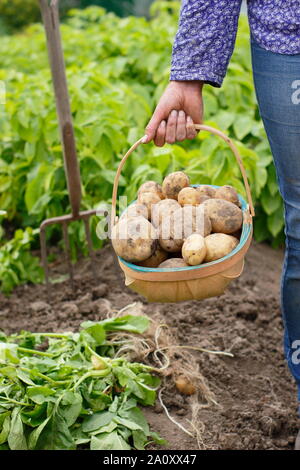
{"points": [[192, 219], [163, 209], [229, 194], [194, 249], [185, 386], [134, 239], [225, 216], [203, 198], [173, 183], [151, 187], [170, 234], [156, 259], [189, 196], [219, 245], [206, 190], [148, 199], [135, 210], [173, 263]]}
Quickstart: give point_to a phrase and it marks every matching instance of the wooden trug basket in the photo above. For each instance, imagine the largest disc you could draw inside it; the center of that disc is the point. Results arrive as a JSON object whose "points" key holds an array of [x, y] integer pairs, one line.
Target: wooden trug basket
{"points": [[192, 282]]}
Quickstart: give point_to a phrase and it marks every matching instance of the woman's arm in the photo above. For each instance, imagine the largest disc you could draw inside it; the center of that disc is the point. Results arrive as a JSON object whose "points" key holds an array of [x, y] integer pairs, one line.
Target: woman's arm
{"points": [[202, 49], [205, 40]]}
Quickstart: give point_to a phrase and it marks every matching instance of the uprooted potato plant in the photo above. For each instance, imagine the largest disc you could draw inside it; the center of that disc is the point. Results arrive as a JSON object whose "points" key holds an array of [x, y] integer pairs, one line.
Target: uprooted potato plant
{"points": [[85, 389]]}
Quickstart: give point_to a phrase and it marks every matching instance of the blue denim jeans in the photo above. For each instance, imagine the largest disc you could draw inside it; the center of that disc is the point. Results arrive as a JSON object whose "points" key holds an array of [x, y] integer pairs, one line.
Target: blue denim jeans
{"points": [[277, 84]]}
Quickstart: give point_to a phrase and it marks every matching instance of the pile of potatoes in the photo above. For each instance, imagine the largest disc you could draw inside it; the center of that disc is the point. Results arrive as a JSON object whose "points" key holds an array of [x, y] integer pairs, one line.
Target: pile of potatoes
{"points": [[176, 225]]}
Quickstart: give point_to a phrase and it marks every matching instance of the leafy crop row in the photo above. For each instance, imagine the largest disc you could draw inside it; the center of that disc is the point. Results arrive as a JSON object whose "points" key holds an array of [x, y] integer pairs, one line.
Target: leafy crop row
{"points": [[117, 69]]}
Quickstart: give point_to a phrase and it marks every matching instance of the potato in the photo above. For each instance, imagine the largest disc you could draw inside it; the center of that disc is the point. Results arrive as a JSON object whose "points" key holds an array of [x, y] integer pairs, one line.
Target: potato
{"points": [[194, 249], [134, 239], [237, 234], [173, 263], [189, 196], [158, 257], [225, 216], [219, 245], [229, 194], [175, 228], [191, 219], [148, 200], [203, 198], [151, 187], [206, 190], [167, 238], [184, 386], [173, 183], [135, 210], [163, 209]]}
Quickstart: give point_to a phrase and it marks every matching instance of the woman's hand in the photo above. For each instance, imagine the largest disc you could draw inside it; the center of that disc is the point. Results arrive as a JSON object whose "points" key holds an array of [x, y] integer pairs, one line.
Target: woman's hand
{"points": [[179, 108]]}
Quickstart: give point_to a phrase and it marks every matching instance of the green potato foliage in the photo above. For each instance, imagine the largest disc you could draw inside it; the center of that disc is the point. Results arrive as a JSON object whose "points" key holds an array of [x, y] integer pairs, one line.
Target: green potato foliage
{"points": [[117, 69], [77, 392]]}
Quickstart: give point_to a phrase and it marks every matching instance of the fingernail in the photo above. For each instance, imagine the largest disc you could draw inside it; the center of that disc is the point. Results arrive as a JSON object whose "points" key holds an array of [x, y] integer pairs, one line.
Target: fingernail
{"points": [[144, 139], [174, 113], [162, 124], [189, 119], [181, 113]]}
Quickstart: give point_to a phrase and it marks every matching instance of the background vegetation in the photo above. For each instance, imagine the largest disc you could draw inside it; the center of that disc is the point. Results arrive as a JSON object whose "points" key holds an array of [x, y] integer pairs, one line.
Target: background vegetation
{"points": [[15, 14], [117, 68]]}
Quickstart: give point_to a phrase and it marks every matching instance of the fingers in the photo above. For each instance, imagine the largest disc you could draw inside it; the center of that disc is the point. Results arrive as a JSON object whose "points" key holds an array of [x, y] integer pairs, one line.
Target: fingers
{"points": [[176, 128], [190, 129], [181, 127], [160, 136], [171, 127]]}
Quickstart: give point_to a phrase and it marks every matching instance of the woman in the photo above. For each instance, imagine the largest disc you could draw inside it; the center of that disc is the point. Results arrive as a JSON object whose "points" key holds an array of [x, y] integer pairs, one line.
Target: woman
{"points": [[202, 49]]}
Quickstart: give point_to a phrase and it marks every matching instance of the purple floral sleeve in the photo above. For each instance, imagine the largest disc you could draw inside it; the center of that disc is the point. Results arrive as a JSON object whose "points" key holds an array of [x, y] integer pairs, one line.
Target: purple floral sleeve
{"points": [[205, 40], [207, 30]]}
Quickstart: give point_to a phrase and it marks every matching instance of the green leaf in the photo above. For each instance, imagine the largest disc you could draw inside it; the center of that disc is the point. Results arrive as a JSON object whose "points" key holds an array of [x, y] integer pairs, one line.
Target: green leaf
{"points": [[70, 407], [260, 228], [35, 434], [24, 377], [139, 440], [135, 415], [275, 222], [55, 435], [272, 180], [157, 438], [40, 394], [96, 331], [97, 420], [127, 423], [35, 416], [108, 428], [111, 441], [132, 323], [5, 428], [242, 126], [270, 203], [16, 438], [35, 186]]}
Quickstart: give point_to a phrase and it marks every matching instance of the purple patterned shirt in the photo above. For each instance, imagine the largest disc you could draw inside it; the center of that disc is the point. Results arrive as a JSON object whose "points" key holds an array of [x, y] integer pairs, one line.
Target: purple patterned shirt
{"points": [[207, 29]]}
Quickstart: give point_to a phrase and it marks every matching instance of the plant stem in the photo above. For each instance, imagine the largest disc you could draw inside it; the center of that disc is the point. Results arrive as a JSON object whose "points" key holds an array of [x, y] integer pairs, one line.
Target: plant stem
{"points": [[33, 351], [11, 400], [92, 373], [45, 377]]}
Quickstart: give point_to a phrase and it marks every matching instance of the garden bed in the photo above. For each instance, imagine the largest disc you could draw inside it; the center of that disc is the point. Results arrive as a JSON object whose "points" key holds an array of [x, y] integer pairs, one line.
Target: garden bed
{"points": [[254, 388]]}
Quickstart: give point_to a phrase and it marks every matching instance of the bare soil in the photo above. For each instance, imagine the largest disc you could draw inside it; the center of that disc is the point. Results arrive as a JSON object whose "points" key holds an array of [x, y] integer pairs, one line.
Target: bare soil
{"points": [[255, 391]]}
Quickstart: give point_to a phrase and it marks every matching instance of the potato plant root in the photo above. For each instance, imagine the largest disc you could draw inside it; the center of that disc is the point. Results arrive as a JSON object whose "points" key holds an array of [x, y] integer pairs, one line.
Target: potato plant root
{"points": [[256, 396]]}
